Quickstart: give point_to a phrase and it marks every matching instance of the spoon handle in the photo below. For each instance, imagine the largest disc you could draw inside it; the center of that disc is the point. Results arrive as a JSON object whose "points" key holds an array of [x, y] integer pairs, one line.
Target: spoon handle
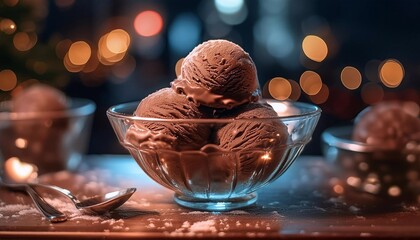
{"points": [[52, 214]]}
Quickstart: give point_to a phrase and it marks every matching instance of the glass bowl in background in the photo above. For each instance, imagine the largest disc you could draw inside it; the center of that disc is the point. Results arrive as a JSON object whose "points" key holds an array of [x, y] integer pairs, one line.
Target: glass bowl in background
{"points": [[374, 170], [211, 178], [48, 141]]}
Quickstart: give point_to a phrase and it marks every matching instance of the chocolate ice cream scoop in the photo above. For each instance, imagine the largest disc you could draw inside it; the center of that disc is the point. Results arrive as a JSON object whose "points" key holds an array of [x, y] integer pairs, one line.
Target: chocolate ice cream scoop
{"points": [[39, 98], [252, 134], [167, 104], [256, 145], [42, 124], [218, 74], [388, 125]]}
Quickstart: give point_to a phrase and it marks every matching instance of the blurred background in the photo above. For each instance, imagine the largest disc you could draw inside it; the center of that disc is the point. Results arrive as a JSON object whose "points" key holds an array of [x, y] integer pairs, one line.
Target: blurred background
{"points": [[340, 55]]}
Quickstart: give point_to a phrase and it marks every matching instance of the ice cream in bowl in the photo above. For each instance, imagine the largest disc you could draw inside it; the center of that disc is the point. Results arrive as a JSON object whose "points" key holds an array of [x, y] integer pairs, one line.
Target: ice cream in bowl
{"points": [[42, 130], [209, 136]]}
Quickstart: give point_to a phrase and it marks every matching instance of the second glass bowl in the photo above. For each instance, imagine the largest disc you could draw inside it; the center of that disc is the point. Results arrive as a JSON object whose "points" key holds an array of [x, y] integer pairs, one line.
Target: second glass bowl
{"points": [[374, 170], [211, 178]]}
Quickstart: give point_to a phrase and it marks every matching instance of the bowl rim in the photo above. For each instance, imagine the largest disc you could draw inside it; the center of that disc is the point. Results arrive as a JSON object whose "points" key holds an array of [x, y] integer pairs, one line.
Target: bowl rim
{"points": [[333, 137], [315, 111], [77, 107]]}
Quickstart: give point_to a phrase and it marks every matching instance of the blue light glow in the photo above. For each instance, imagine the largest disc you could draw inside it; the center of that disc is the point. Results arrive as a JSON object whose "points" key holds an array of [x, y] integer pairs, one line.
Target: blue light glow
{"points": [[184, 33], [229, 6]]}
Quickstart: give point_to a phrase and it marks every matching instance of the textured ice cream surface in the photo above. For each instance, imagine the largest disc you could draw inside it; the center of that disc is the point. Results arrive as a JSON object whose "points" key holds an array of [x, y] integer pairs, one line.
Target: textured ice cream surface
{"points": [[218, 74], [39, 98], [167, 104], [252, 134], [256, 140], [389, 125]]}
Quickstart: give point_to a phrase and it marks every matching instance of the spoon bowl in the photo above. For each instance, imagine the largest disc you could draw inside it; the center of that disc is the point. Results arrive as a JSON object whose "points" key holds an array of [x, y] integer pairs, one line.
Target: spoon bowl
{"points": [[103, 203], [21, 176], [99, 204]]}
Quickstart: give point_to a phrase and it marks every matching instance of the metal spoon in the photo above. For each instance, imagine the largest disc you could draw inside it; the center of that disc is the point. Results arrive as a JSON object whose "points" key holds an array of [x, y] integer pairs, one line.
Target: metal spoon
{"points": [[99, 204], [52, 214], [16, 171]]}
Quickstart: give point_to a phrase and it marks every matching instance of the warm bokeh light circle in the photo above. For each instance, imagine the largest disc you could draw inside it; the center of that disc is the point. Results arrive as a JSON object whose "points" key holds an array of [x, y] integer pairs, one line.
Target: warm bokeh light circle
{"points": [[315, 48], [310, 82], [148, 23], [24, 41], [391, 73], [8, 80], [279, 88], [321, 96], [7, 26], [351, 77], [79, 53], [117, 41], [296, 92], [372, 93]]}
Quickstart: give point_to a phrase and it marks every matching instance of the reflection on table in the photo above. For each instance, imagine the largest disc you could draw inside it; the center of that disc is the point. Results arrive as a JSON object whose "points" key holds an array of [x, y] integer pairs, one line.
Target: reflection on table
{"points": [[309, 200]]}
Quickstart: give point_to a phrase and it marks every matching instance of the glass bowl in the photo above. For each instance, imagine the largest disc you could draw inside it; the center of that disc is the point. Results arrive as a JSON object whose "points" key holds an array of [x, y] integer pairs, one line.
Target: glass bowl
{"points": [[373, 170], [49, 141], [211, 178]]}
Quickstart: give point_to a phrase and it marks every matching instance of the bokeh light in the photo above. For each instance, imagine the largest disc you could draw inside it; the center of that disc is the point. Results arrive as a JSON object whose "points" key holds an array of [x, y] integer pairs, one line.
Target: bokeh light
{"points": [[310, 82], [232, 12], [351, 77], [24, 41], [7, 26], [70, 66], [184, 33], [113, 46], [296, 92], [92, 64], [229, 6], [79, 53], [315, 48], [276, 37], [8, 80], [148, 23], [391, 73], [118, 41], [321, 96], [62, 48], [279, 88], [372, 93]]}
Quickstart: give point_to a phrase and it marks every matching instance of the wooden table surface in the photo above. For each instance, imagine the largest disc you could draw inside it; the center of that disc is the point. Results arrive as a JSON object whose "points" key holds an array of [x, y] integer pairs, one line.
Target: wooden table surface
{"points": [[309, 201]]}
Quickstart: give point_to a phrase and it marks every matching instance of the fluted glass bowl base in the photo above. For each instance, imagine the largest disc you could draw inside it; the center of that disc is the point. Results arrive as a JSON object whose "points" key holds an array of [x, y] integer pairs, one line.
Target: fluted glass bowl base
{"points": [[216, 205]]}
